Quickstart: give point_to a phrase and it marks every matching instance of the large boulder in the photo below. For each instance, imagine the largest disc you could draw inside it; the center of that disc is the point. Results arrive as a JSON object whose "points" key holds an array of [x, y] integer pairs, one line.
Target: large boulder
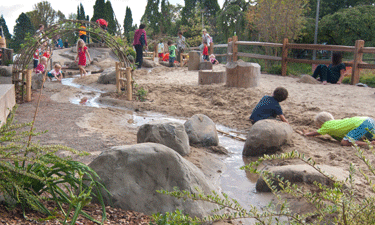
{"points": [[170, 134], [308, 79], [37, 81], [133, 173], [148, 63], [6, 71], [108, 76], [266, 137], [201, 131], [301, 174]]}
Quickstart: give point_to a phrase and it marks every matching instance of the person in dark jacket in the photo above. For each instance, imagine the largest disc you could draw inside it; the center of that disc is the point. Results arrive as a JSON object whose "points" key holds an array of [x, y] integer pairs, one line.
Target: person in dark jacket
{"points": [[140, 40]]}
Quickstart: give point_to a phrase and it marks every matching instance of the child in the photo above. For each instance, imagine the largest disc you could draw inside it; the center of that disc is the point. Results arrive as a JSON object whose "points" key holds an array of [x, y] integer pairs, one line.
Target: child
{"points": [[36, 58], [268, 107], [42, 65], [205, 51], [56, 73], [172, 53], [213, 60], [82, 51], [161, 51], [334, 73], [348, 131]]}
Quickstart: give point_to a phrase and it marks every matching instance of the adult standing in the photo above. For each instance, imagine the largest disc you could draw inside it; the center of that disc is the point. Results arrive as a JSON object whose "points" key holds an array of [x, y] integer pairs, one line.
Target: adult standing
{"points": [[180, 45], [82, 32], [207, 38], [102, 23], [140, 40]]}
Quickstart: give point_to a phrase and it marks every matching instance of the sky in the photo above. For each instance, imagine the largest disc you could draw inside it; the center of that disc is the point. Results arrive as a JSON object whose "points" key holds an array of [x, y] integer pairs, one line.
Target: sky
{"points": [[11, 9]]}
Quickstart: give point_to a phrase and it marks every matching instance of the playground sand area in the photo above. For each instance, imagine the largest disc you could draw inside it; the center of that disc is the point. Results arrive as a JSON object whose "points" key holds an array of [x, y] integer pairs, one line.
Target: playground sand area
{"points": [[175, 92]]}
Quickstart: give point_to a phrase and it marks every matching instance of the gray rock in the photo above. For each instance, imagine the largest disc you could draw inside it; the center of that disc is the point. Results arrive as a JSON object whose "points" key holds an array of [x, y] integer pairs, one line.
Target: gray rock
{"points": [[108, 76], [132, 174], [266, 137], [205, 66], [201, 131], [6, 71], [308, 79], [170, 134], [148, 63], [37, 81], [302, 174]]}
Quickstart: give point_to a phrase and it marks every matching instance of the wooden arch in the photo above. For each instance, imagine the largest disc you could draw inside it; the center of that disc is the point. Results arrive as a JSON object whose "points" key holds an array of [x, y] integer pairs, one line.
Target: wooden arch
{"points": [[24, 58]]}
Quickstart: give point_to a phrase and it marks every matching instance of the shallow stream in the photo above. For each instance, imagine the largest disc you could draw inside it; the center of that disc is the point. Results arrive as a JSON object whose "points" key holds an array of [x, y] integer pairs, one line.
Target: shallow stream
{"points": [[233, 181]]}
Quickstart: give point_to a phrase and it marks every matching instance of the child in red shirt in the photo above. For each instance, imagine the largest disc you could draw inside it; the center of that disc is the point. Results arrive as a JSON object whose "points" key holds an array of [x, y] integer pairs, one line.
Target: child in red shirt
{"points": [[82, 51], [205, 51]]}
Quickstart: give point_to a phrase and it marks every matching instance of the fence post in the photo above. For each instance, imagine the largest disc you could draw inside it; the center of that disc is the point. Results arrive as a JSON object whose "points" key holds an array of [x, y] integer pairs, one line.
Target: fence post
{"points": [[118, 85], [129, 86], [235, 48], [359, 44], [28, 85], [284, 57]]}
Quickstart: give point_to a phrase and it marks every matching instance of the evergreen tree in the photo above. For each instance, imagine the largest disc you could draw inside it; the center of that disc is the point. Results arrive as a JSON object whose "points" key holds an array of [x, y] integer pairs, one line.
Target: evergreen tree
{"points": [[165, 19], [42, 13], [21, 29], [188, 11], [151, 17], [128, 21], [210, 7], [5, 28], [99, 10], [109, 17], [81, 12]]}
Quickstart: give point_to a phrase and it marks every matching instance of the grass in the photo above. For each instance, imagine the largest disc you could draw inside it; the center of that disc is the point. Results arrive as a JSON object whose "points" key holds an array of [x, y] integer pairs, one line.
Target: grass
{"points": [[365, 77]]}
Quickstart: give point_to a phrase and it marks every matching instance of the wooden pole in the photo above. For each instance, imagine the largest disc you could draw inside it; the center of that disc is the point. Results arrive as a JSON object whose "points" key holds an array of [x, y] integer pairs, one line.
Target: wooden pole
{"points": [[359, 44], [118, 85], [235, 48], [28, 85], [129, 86], [284, 57]]}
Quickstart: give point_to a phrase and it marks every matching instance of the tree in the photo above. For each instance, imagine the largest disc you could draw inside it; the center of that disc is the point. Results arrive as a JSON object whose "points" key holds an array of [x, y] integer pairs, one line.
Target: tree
{"points": [[210, 7], [348, 25], [109, 17], [188, 11], [81, 12], [332, 6], [232, 18], [42, 13], [166, 18], [128, 21], [151, 17], [5, 28], [99, 10], [275, 20], [22, 28]]}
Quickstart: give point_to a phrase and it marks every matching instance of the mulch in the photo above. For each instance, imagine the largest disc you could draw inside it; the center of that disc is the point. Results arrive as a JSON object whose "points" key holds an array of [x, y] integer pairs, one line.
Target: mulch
{"points": [[114, 216]]}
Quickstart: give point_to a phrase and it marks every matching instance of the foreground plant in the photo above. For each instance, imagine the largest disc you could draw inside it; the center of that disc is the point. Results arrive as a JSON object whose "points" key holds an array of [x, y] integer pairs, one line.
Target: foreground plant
{"points": [[338, 203], [31, 175]]}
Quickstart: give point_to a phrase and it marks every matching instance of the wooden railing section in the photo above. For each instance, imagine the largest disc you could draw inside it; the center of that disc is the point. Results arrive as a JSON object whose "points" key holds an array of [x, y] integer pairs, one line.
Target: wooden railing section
{"points": [[149, 55], [124, 80], [356, 63]]}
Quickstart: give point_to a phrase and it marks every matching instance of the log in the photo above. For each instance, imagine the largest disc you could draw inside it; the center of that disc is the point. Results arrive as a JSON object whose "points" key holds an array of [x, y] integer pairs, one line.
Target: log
{"points": [[242, 74], [194, 60], [205, 66], [211, 77]]}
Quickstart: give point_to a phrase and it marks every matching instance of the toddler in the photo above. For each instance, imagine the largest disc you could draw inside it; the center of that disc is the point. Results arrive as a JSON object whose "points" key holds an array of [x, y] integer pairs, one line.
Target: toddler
{"points": [[213, 60], [82, 51], [42, 65], [56, 73], [205, 51], [268, 107]]}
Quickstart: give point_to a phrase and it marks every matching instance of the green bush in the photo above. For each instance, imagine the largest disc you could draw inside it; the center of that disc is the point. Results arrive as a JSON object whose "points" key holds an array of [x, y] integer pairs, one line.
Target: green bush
{"points": [[130, 51], [31, 175]]}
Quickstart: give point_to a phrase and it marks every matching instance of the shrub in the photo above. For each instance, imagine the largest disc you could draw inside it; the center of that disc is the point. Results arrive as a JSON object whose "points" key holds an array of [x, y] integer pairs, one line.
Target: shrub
{"points": [[366, 77], [31, 175]]}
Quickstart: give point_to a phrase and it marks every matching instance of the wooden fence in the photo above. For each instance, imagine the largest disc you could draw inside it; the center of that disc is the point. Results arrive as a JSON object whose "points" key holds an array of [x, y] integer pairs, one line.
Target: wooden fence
{"points": [[356, 63], [124, 80]]}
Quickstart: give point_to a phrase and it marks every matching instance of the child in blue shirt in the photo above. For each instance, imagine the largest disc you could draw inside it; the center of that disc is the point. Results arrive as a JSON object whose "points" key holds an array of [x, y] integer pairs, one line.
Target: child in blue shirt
{"points": [[269, 108]]}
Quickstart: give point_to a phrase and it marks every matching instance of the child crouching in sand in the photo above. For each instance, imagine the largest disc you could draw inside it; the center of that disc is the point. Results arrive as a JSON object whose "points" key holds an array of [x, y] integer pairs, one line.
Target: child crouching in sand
{"points": [[82, 51], [56, 73], [268, 107], [348, 131]]}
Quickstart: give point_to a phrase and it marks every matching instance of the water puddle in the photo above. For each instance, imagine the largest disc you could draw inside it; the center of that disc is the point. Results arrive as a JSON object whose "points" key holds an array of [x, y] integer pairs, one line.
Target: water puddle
{"points": [[237, 183]]}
